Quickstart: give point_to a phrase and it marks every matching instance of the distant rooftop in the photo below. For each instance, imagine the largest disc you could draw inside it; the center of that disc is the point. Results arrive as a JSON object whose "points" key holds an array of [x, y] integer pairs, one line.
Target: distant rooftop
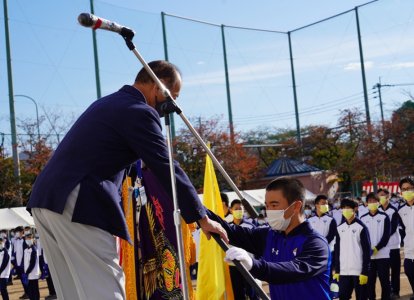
{"points": [[287, 166]]}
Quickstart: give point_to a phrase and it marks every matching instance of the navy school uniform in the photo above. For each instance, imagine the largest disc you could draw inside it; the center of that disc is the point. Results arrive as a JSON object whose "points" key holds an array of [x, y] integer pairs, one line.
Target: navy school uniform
{"points": [[296, 265], [379, 228], [32, 271], [5, 267], [352, 253]]}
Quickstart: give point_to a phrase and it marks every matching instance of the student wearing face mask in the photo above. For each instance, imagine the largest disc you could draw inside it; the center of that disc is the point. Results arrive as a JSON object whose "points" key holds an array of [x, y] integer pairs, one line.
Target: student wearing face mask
{"points": [[323, 223], [18, 256], [352, 252], [363, 206], [406, 213], [5, 267], [31, 272], [379, 227], [394, 241], [292, 257], [308, 211], [241, 288]]}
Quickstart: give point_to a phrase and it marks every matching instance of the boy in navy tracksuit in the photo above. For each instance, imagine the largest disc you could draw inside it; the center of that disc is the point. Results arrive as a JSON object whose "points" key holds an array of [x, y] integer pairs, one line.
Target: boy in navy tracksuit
{"points": [[292, 257], [394, 241], [31, 273], [352, 252], [378, 224], [4, 269], [406, 213]]}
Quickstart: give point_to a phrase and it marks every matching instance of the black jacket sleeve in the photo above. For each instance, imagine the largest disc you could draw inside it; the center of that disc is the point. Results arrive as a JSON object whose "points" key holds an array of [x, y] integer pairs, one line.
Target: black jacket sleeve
{"points": [[394, 223], [332, 231], [32, 262], [5, 261], [312, 261], [386, 235], [252, 240], [366, 250], [337, 250]]}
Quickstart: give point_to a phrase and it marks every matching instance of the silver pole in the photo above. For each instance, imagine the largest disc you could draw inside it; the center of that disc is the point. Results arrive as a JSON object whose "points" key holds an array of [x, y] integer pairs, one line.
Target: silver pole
{"points": [[177, 211]]}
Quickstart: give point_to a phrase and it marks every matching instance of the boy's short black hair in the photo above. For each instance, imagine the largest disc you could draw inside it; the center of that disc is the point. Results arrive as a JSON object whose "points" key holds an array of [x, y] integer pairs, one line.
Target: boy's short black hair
{"points": [[372, 196], [292, 189], [383, 190], [19, 229], [234, 202], [346, 202], [406, 180], [224, 198], [319, 198]]}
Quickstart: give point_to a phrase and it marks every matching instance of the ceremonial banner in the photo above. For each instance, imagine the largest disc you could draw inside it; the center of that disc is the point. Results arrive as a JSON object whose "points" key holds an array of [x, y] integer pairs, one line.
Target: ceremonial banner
{"points": [[213, 277], [159, 262]]}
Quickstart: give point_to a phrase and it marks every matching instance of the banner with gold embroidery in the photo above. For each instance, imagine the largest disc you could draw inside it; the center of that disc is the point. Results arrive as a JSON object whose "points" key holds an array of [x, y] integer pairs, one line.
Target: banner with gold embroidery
{"points": [[158, 256]]}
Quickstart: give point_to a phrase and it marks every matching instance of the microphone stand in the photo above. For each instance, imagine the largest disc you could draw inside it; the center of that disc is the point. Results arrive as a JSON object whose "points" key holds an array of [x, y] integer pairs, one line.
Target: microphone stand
{"points": [[168, 107]]}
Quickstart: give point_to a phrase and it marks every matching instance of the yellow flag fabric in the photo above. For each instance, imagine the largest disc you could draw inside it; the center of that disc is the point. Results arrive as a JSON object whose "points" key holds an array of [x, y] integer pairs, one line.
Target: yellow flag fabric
{"points": [[213, 277], [127, 250]]}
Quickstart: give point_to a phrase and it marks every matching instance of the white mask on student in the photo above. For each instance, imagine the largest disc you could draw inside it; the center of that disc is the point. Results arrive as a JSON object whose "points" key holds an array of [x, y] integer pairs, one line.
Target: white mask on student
{"points": [[29, 243], [276, 219]]}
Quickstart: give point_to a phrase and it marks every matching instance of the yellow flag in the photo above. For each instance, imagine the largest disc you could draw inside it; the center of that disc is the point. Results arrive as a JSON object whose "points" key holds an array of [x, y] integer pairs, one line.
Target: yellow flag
{"points": [[213, 277]]}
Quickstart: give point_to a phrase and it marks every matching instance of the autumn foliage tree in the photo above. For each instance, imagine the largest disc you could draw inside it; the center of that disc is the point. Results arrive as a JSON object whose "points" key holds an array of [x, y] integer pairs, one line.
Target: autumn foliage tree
{"points": [[239, 164]]}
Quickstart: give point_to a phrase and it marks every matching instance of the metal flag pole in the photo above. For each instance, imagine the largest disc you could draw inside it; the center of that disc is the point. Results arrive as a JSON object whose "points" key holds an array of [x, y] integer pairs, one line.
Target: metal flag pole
{"points": [[170, 106]]}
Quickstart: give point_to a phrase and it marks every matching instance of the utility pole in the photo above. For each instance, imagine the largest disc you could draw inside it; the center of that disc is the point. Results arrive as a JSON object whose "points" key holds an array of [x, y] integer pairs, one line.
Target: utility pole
{"points": [[226, 73], [16, 161]]}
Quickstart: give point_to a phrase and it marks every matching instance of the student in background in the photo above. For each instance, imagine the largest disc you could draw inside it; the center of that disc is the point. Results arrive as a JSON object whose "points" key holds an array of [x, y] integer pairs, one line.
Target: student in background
{"points": [[5, 266], [379, 229], [352, 252], [406, 213], [30, 276], [394, 241], [324, 224]]}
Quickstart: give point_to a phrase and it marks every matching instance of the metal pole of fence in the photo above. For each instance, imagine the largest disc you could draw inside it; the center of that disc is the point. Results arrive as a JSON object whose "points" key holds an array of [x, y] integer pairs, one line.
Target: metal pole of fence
{"points": [[16, 162], [95, 56], [226, 71], [164, 37]]}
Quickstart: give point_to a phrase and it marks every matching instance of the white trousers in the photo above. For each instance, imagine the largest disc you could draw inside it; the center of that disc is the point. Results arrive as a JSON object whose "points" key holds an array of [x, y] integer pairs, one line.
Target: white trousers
{"points": [[82, 259]]}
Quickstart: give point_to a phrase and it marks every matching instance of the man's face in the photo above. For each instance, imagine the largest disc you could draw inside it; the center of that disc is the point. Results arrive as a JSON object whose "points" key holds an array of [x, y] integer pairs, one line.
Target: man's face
{"points": [[406, 186], [236, 207], [158, 97], [320, 203], [274, 200]]}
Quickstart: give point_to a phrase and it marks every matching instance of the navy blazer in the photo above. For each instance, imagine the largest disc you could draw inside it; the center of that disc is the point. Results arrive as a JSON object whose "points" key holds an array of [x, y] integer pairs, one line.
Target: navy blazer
{"points": [[114, 132]]}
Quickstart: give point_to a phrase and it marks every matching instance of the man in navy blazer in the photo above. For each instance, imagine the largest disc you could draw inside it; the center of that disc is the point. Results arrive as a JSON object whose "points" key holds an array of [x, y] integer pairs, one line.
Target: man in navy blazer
{"points": [[75, 200]]}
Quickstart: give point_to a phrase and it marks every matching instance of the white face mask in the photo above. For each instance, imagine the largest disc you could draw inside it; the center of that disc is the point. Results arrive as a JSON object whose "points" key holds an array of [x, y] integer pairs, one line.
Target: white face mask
{"points": [[29, 242], [1, 246], [3, 235], [17, 234], [276, 219]]}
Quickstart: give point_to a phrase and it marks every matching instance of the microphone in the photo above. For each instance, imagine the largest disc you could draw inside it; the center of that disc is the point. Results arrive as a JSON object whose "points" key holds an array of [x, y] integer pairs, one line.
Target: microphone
{"points": [[95, 22]]}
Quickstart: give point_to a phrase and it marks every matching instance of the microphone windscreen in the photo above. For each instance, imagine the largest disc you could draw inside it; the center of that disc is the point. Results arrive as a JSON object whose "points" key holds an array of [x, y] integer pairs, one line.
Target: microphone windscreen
{"points": [[85, 19]]}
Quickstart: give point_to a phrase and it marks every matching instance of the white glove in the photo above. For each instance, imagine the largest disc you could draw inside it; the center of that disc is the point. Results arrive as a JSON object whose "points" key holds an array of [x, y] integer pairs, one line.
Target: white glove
{"points": [[240, 255]]}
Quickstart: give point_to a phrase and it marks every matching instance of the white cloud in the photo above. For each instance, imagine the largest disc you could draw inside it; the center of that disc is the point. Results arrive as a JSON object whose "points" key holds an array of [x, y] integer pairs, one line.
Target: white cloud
{"points": [[354, 66], [402, 65]]}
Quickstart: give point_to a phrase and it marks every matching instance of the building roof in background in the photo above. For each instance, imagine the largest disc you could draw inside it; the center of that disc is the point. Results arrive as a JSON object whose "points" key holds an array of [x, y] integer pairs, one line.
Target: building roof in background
{"points": [[287, 166]]}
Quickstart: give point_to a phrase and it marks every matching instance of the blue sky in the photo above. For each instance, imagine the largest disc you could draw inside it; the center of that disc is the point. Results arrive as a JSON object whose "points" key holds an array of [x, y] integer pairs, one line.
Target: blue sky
{"points": [[52, 57]]}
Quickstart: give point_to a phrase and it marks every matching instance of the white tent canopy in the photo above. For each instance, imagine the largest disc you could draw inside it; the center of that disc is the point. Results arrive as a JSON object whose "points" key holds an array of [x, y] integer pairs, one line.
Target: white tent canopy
{"points": [[10, 218]]}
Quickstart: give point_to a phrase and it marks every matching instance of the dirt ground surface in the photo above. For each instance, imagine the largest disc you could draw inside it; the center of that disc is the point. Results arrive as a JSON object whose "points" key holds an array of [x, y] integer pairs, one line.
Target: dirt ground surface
{"points": [[16, 290]]}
